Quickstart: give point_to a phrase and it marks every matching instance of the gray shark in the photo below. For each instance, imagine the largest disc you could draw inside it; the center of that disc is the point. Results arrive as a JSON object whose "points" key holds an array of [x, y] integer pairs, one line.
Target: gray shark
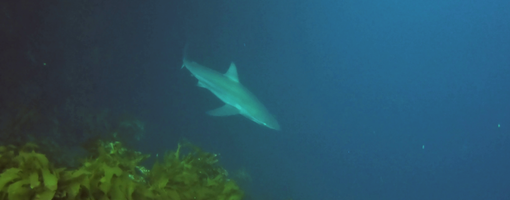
{"points": [[237, 98]]}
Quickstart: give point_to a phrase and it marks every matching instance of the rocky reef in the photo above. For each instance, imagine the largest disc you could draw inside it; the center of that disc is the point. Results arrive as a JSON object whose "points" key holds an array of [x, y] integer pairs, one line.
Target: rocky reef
{"points": [[114, 172]]}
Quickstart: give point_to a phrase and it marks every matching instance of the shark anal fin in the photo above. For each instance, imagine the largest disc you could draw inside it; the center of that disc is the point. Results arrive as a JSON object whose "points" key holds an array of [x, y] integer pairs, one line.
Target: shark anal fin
{"points": [[200, 84], [225, 110]]}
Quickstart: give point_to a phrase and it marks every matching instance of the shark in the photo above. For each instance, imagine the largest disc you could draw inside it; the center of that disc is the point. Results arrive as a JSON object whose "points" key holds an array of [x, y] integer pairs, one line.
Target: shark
{"points": [[237, 98]]}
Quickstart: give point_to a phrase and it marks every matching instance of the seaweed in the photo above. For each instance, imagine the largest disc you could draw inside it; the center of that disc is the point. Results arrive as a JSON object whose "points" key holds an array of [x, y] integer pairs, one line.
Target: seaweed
{"points": [[28, 175], [194, 176], [114, 172]]}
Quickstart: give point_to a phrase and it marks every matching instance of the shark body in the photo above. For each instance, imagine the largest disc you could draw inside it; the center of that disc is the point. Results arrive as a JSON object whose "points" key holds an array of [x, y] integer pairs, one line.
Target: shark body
{"points": [[237, 98]]}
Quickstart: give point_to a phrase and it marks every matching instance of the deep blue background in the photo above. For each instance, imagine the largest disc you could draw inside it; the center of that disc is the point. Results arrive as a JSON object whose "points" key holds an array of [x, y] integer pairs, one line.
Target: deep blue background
{"points": [[377, 99]]}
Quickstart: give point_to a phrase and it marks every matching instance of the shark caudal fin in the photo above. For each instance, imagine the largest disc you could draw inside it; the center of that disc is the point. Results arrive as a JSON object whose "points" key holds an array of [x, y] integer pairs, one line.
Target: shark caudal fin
{"points": [[185, 55]]}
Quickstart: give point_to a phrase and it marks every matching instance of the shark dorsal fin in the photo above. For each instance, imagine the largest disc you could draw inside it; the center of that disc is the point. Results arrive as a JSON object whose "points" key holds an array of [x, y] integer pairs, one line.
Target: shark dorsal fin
{"points": [[232, 72]]}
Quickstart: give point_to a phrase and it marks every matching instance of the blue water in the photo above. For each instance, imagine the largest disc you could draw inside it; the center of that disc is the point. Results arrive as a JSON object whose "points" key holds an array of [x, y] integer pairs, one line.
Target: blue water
{"points": [[400, 100], [376, 99]]}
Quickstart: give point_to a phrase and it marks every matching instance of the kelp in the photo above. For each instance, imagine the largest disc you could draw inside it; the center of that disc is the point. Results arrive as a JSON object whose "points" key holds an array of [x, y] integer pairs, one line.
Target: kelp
{"points": [[27, 175], [114, 172], [194, 176]]}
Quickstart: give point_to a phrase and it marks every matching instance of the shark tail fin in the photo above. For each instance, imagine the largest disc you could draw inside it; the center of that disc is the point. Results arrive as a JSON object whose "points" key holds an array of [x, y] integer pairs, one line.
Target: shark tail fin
{"points": [[185, 55]]}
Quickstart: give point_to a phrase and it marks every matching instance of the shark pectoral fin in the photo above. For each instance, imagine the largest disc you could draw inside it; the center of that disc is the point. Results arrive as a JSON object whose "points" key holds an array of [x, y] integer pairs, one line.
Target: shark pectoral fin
{"points": [[225, 110]]}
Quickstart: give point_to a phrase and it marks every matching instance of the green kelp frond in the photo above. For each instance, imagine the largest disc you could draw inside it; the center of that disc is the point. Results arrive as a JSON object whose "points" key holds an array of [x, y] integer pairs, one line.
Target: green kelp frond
{"points": [[29, 175], [114, 173], [111, 174], [194, 176]]}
